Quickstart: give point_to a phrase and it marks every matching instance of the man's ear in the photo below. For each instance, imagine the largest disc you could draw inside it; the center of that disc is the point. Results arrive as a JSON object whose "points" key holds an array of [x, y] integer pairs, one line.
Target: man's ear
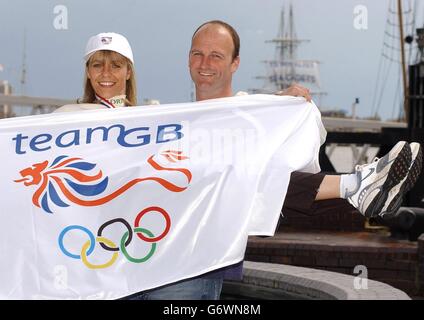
{"points": [[235, 64]]}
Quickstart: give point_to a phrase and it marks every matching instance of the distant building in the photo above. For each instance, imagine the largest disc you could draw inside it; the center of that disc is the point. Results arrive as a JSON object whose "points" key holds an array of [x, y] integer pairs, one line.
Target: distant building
{"points": [[150, 101], [6, 89], [334, 113]]}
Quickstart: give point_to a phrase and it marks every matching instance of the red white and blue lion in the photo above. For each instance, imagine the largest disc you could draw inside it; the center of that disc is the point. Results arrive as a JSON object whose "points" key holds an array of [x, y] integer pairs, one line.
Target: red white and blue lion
{"points": [[71, 180]]}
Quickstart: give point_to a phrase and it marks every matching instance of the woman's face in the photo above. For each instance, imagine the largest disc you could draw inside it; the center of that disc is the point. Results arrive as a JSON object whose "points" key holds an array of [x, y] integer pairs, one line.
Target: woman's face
{"points": [[108, 72]]}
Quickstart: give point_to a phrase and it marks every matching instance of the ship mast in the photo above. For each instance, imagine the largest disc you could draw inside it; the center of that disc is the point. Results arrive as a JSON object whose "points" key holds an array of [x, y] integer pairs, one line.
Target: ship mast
{"points": [[403, 63], [286, 69], [24, 69], [286, 52]]}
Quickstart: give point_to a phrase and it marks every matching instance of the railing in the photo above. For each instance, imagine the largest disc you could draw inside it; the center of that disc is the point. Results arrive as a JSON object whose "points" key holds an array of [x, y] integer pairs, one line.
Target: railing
{"points": [[38, 104]]}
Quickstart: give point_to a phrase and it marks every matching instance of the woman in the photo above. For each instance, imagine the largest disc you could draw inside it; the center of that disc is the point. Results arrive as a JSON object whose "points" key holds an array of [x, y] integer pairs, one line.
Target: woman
{"points": [[109, 78]]}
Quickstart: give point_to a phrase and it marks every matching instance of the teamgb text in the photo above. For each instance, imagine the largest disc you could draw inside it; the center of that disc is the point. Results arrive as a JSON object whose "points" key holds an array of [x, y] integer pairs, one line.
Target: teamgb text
{"points": [[129, 138]]}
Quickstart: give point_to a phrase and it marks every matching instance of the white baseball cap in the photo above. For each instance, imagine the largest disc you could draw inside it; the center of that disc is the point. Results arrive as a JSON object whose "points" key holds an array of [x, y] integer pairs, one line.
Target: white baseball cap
{"points": [[108, 41]]}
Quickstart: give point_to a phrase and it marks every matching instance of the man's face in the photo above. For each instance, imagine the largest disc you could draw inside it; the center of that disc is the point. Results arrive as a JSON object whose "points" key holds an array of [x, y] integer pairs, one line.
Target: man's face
{"points": [[211, 61]]}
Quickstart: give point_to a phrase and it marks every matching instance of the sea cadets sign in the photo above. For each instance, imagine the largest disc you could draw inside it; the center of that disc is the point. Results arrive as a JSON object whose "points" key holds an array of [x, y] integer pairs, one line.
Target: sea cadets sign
{"points": [[106, 203]]}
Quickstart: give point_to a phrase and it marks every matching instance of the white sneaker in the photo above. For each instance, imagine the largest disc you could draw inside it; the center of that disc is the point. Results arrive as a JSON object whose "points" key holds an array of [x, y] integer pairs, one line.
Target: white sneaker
{"points": [[376, 179], [396, 194]]}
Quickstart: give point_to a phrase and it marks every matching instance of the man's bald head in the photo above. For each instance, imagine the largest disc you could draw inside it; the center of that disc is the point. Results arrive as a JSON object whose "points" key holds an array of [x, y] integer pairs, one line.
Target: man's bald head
{"points": [[233, 33]]}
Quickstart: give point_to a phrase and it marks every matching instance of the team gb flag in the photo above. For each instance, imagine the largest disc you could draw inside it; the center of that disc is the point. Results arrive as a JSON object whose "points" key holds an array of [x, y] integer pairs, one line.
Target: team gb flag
{"points": [[101, 204]]}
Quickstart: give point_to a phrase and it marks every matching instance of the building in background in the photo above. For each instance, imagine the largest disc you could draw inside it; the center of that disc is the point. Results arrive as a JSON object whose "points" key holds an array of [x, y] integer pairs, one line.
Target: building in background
{"points": [[6, 89]]}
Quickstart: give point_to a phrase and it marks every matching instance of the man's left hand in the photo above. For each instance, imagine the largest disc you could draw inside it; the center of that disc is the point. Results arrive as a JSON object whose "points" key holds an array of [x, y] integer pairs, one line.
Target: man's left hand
{"points": [[296, 91]]}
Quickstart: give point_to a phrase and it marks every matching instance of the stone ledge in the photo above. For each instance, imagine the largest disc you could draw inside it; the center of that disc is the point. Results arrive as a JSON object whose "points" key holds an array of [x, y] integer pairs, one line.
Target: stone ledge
{"points": [[306, 283]]}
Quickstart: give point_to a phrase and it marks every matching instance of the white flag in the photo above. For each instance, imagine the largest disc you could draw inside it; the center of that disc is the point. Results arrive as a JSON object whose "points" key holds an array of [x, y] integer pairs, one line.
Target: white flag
{"points": [[107, 203]]}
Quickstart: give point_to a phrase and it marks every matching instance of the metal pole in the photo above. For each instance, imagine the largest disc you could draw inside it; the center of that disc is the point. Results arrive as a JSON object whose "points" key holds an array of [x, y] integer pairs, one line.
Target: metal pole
{"points": [[402, 50]]}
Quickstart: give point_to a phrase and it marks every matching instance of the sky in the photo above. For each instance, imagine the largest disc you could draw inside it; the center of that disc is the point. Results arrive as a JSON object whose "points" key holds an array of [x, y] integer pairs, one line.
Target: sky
{"points": [[160, 31]]}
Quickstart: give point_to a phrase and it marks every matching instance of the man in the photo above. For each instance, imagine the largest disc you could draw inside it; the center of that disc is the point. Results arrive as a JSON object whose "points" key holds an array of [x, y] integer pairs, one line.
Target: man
{"points": [[213, 59]]}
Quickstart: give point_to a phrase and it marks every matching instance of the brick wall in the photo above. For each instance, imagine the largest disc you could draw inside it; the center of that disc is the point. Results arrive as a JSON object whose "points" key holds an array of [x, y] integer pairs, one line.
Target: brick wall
{"points": [[400, 265], [349, 220], [398, 268], [420, 267]]}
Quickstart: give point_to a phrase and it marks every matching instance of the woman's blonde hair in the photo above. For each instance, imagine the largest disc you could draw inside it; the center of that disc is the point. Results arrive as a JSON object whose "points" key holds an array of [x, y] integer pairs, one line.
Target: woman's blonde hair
{"points": [[131, 84]]}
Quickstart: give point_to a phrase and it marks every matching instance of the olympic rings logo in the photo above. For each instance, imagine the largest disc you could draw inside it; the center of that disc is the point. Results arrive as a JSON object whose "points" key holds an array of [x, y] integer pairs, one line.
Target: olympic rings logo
{"points": [[108, 245]]}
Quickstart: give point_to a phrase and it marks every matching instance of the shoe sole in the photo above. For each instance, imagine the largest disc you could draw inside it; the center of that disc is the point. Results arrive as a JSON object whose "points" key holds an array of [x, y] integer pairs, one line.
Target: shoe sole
{"points": [[413, 174], [397, 172]]}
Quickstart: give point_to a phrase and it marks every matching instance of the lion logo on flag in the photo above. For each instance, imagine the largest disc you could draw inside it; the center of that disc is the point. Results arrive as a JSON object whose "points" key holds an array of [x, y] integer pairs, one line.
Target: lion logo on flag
{"points": [[69, 180]]}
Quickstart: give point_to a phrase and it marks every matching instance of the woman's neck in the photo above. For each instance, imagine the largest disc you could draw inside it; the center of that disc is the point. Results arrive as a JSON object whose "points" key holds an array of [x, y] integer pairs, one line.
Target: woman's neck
{"points": [[113, 102]]}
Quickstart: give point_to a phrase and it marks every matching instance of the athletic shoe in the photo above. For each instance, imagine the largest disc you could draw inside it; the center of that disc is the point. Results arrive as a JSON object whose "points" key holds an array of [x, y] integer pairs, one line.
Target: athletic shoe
{"points": [[376, 179], [396, 194]]}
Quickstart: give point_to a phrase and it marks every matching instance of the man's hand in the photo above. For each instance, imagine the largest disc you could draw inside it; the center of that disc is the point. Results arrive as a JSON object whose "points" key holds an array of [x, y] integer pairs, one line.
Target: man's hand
{"points": [[296, 91]]}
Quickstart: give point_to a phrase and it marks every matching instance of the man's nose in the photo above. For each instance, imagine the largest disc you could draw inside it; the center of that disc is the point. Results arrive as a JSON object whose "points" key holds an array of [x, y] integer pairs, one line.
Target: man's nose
{"points": [[205, 62]]}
